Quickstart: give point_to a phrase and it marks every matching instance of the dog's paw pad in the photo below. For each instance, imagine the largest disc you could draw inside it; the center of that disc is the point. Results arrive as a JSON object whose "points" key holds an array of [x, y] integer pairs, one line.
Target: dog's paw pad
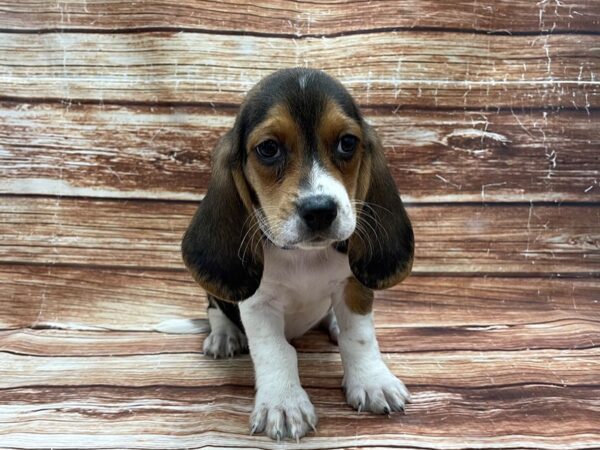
{"points": [[225, 343], [288, 416], [381, 393]]}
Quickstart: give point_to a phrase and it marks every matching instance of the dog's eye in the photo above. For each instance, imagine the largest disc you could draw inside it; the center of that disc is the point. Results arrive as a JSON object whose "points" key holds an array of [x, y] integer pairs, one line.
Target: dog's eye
{"points": [[347, 146], [268, 151]]}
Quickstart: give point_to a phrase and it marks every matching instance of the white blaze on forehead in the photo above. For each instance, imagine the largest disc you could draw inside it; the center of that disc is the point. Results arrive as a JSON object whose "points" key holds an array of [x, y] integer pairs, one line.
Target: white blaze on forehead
{"points": [[303, 80]]}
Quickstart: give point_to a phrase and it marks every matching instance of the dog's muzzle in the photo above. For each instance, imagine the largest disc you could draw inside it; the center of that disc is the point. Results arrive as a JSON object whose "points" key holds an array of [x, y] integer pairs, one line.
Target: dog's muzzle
{"points": [[318, 212]]}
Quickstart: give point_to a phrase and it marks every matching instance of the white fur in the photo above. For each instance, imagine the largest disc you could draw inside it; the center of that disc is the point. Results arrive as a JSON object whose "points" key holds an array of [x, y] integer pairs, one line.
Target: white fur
{"points": [[298, 289], [368, 382], [183, 326], [303, 80], [299, 284], [293, 232], [294, 295], [225, 338], [323, 183]]}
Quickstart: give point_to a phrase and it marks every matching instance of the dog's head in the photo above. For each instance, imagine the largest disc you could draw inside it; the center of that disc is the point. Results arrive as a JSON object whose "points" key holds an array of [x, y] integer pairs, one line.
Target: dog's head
{"points": [[301, 169]]}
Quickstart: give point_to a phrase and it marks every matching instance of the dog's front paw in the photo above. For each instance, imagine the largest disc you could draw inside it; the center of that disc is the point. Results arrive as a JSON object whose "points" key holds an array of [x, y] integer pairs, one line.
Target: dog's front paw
{"points": [[378, 391], [286, 415]]}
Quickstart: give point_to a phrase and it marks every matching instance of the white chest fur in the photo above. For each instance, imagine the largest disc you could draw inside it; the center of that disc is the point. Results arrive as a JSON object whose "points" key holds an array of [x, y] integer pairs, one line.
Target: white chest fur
{"points": [[300, 283]]}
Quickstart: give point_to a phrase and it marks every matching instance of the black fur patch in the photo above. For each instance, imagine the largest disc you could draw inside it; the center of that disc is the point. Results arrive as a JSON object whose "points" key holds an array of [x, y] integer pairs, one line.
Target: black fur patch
{"points": [[387, 260], [306, 104]]}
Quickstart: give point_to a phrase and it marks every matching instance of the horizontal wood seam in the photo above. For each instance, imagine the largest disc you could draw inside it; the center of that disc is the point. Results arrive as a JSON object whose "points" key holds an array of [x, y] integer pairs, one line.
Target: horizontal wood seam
{"points": [[417, 204], [413, 385], [403, 352], [448, 327], [235, 106], [477, 274], [298, 36]]}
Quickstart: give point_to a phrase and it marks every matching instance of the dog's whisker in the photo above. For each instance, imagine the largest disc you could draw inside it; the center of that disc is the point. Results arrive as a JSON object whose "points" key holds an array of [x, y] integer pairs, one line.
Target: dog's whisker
{"points": [[250, 229], [364, 215], [362, 235], [375, 234], [249, 241], [362, 224]]}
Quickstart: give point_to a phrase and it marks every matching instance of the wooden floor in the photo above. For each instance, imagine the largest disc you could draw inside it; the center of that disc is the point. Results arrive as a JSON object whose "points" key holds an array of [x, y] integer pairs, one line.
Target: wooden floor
{"points": [[490, 115]]}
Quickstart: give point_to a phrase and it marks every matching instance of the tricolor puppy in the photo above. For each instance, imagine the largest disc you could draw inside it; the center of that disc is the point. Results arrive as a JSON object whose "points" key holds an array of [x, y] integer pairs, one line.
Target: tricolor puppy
{"points": [[301, 222]]}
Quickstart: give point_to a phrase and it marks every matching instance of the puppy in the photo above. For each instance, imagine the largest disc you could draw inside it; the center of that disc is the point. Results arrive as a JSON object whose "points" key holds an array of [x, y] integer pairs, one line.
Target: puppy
{"points": [[301, 222]]}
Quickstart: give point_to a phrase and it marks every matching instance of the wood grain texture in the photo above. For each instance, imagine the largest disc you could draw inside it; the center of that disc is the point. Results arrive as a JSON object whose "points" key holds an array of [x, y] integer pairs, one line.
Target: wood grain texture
{"points": [[449, 239], [167, 417], [424, 68], [299, 18], [488, 111], [402, 337], [111, 389], [164, 152], [95, 298], [80, 298], [450, 369]]}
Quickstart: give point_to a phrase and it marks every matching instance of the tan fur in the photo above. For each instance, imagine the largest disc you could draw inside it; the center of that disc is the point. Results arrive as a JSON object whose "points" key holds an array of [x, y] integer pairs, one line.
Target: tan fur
{"points": [[278, 124], [276, 197], [334, 124], [358, 297]]}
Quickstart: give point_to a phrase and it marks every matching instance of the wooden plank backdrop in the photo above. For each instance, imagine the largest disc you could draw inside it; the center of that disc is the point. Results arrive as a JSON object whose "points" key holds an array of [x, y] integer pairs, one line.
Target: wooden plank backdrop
{"points": [[489, 112]]}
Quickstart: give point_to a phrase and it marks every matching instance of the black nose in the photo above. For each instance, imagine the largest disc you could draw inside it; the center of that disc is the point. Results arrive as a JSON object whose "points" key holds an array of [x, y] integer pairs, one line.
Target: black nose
{"points": [[318, 211]]}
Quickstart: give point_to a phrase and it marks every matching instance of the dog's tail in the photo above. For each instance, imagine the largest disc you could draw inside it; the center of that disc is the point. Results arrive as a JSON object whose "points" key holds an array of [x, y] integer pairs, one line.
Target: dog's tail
{"points": [[183, 326]]}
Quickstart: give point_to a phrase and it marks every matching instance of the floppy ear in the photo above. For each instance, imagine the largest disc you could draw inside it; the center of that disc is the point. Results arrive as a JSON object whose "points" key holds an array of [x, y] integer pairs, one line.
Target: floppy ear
{"points": [[217, 246], [381, 253]]}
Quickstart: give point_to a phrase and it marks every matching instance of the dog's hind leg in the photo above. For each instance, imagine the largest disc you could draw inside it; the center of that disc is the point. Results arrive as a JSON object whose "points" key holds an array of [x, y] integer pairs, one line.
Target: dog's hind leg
{"points": [[329, 324], [226, 339]]}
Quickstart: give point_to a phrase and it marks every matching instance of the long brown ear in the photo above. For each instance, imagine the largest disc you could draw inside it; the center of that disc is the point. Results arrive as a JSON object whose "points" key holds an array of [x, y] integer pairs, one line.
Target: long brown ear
{"points": [[381, 252], [217, 247]]}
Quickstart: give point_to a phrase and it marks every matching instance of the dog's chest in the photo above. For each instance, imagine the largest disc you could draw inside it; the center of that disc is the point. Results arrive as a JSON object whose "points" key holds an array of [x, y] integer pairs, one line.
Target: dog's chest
{"points": [[300, 283]]}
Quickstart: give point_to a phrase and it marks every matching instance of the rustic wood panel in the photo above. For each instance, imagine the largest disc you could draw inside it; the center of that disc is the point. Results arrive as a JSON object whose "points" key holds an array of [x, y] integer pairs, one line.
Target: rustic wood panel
{"points": [[400, 337], [566, 335], [164, 152], [96, 298], [478, 103], [435, 69], [449, 239], [297, 18], [79, 298], [495, 417], [450, 369]]}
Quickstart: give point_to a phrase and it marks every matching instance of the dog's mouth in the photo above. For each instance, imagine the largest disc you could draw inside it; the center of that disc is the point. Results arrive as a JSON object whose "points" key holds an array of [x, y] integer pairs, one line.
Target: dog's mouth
{"points": [[315, 242], [311, 243]]}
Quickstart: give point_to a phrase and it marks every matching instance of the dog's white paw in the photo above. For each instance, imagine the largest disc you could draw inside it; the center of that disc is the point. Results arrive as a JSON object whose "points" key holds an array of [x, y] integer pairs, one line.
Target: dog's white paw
{"points": [[378, 391], [225, 343], [287, 415]]}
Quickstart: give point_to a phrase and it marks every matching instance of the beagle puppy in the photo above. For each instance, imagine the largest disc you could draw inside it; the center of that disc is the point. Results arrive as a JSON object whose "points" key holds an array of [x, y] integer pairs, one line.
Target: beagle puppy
{"points": [[301, 222]]}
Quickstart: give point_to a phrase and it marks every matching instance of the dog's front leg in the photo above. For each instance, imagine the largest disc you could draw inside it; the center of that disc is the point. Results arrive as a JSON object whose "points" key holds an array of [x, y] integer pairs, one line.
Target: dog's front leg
{"points": [[368, 383], [282, 408]]}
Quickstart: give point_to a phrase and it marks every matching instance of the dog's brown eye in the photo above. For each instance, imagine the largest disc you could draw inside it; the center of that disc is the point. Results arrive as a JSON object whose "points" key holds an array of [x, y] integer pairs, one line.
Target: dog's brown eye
{"points": [[268, 151], [347, 146]]}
